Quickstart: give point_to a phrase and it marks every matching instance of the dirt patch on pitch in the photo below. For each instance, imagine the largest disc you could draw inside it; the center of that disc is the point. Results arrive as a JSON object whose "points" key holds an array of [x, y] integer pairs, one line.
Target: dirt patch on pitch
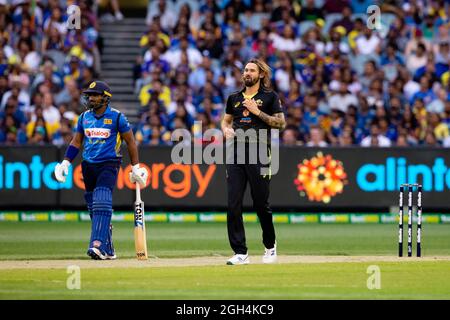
{"points": [[154, 262]]}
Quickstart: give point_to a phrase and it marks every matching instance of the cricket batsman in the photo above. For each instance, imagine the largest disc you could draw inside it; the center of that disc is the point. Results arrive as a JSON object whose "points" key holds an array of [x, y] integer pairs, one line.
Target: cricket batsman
{"points": [[100, 130]]}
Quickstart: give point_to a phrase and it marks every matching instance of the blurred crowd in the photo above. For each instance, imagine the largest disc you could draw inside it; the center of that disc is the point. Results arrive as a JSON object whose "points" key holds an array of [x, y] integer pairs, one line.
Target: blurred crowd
{"points": [[344, 77], [47, 56]]}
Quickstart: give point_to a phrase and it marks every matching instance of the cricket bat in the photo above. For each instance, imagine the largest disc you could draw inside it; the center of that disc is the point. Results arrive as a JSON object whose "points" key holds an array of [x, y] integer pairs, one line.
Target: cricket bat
{"points": [[140, 238]]}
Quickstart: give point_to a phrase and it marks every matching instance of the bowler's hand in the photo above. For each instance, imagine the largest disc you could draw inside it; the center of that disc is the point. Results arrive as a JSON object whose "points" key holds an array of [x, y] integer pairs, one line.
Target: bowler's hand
{"points": [[251, 106], [229, 133], [62, 170], [139, 175]]}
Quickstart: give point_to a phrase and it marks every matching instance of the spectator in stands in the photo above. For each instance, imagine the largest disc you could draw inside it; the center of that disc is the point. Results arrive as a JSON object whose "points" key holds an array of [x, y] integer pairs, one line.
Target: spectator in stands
{"points": [[29, 58], [425, 93], [346, 21], [417, 58], [290, 136], [435, 124], [375, 139], [438, 104], [53, 40], [157, 90], [155, 62], [337, 41], [166, 12], [346, 139], [368, 44], [402, 141], [180, 119], [357, 31], [283, 6], [9, 133], [39, 136], [316, 137], [254, 17], [210, 44], [209, 90], [287, 41], [173, 55], [18, 93], [55, 21], [342, 99], [312, 41], [50, 113], [180, 100], [430, 140], [64, 135], [48, 75], [12, 109], [285, 73], [213, 110], [309, 12], [442, 59], [197, 78]]}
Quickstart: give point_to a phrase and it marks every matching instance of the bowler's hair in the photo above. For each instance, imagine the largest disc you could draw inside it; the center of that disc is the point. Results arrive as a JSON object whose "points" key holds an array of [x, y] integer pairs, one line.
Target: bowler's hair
{"points": [[265, 70]]}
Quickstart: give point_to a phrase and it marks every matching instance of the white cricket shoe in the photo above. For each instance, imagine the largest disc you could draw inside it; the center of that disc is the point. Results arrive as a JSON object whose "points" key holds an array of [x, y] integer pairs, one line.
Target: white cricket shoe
{"points": [[270, 255], [119, 16], [97, 254], [239, 259]]}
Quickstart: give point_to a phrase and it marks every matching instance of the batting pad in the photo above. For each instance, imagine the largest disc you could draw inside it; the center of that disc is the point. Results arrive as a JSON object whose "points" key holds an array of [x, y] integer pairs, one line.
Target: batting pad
{"points": [[102, 211], [88, 197]]}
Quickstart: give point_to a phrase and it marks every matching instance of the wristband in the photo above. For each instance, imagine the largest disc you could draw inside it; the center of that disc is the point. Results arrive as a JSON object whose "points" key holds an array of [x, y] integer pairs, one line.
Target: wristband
{"points": [[71, 152]]}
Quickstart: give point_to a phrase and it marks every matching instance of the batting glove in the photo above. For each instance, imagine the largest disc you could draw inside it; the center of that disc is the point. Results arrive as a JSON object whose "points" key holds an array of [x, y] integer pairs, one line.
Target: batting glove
{"points": [[62, 170], [139, 175]]}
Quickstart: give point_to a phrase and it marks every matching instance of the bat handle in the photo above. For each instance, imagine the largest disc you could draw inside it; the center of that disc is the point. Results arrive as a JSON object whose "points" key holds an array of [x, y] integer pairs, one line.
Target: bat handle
{"points": [[138, 192]]}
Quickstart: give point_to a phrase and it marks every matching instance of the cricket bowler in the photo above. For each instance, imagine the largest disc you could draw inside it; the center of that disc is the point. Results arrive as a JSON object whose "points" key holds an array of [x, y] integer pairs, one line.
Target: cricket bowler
{"points": [[256, 107], [100, 130]]}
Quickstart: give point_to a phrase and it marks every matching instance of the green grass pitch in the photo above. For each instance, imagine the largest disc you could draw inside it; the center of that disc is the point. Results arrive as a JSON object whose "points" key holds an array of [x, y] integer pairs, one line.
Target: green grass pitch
{"points": [[426, 278]]}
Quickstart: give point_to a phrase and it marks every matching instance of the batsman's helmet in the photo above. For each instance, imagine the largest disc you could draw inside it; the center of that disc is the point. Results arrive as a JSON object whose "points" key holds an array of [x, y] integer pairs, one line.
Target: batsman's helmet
{"points": [[97, 88]]}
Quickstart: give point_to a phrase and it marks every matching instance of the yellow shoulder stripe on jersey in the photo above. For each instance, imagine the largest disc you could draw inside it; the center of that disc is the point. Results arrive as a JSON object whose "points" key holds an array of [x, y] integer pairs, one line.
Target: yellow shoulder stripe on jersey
{"points": [[118, 144]]}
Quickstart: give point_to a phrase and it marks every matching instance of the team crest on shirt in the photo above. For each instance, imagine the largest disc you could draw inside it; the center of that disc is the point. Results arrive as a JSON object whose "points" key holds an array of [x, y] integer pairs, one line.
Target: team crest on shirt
{"points": [[107, 121], [97, 133], [259, 102]]}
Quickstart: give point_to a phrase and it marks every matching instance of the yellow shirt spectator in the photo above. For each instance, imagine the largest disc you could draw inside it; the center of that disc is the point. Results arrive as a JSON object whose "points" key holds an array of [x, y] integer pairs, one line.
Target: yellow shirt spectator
{"points": [[445, 77], [164, 37], [352, 35], [50, 128], [441, 131], [146, 93]]}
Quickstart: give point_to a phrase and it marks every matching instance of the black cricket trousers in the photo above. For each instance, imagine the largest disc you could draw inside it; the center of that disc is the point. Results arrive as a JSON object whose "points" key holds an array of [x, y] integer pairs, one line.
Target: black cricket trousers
{"points": [[237, 177]]}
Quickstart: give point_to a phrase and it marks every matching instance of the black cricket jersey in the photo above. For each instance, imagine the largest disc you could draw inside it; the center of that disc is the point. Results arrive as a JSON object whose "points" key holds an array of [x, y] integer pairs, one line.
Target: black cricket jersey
{"points": [[267, 101]]}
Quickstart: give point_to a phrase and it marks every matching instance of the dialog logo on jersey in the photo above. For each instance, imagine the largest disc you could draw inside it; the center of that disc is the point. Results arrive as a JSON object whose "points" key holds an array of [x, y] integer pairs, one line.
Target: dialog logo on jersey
{"points": [[320, 178], [97, 133]]}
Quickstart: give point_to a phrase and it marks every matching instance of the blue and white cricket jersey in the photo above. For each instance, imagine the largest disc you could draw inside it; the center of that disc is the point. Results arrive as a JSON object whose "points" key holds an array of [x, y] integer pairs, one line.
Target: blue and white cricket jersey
{"points": [[102, 140]]}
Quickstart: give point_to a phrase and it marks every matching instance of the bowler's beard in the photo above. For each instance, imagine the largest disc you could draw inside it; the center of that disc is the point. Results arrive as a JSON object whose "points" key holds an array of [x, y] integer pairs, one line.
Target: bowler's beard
{"points": [[250, 82]]}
